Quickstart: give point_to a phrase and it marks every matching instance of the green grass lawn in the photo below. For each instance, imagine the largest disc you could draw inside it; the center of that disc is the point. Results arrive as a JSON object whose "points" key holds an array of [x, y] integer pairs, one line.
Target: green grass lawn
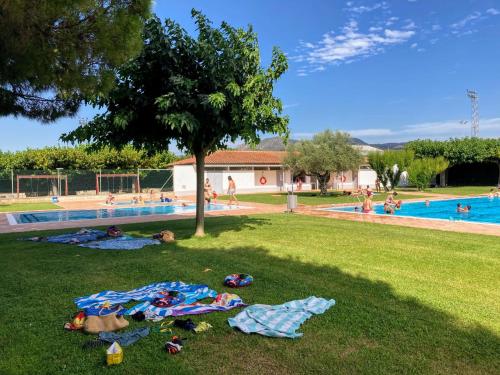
{"points": [[28, 206], [313, 198], [461, 190], [409, 301]]}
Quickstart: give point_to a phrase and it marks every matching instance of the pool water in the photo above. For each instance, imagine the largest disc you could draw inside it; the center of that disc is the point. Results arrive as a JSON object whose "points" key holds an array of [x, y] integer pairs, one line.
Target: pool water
{"points": [[484, 210], [106, 213]]}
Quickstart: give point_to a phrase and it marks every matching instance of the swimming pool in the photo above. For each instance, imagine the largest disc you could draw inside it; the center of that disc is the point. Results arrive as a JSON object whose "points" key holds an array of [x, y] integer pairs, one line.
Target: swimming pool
{"points": [[105, 213], [484, 210]]}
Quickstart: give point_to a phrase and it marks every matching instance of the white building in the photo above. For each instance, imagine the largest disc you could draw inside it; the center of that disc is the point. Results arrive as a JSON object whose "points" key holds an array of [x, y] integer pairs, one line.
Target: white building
{"points": [[256, 172]]}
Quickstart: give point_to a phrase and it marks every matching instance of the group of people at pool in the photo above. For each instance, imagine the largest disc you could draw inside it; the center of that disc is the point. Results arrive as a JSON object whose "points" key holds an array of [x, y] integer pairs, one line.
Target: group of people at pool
{"points": [[138, 199], [390, 204], [211, 195]]}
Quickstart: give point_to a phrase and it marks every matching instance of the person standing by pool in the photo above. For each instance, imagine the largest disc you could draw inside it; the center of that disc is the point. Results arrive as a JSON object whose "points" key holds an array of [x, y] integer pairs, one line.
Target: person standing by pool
{"points": [[377, 185], [231, 191], [207, 191], [367, 205]]}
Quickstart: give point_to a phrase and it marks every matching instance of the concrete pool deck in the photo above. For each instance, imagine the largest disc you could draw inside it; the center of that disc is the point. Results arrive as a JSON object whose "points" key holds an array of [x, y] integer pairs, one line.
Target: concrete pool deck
{"points": [[251, 208]]}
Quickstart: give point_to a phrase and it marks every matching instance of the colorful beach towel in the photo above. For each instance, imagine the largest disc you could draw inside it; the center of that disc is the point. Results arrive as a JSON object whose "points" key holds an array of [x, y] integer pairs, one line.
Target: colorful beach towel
{"points": [[121, 243], [279, 320], [192, 293], [82, 236], [223, 302]]}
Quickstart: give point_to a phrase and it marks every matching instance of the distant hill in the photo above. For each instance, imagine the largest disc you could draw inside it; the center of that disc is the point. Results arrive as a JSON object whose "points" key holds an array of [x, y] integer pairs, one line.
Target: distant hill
{"points": [[276, 144], [389, 146]]}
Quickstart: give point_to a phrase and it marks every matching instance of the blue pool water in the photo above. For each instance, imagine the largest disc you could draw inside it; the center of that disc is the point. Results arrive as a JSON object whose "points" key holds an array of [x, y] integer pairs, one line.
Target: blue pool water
{"points": [[106, 213], [484, 210]]}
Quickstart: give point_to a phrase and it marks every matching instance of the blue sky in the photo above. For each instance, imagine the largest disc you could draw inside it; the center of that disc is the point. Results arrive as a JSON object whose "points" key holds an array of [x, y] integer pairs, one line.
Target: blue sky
{"points": [[384, 71]]}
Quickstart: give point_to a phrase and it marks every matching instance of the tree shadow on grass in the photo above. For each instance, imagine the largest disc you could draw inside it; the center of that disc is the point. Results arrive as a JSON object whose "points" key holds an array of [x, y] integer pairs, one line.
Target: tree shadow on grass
{"points": [[370, 330], [215, 226]]}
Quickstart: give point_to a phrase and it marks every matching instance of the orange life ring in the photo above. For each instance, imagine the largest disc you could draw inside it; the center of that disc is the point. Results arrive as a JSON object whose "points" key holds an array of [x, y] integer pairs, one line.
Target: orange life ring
{"points": [[263, 180], [343, 179]]}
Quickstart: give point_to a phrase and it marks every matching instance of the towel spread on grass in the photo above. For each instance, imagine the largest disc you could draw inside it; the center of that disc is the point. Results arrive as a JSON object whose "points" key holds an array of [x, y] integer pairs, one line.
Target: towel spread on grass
{"points": [[223, 302], [121, 243], [82, 236], [192, 293], [279, 320]]}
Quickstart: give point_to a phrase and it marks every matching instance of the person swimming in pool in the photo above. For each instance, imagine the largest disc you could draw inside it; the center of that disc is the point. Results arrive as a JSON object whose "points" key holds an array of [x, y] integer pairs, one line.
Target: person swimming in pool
{"points": [[388, 209], [427, 203], [463, 209]]}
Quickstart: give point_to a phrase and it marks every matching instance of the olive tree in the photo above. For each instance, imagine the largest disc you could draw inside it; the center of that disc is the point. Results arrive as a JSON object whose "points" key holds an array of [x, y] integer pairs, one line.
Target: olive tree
{"points": [[328, 152]]}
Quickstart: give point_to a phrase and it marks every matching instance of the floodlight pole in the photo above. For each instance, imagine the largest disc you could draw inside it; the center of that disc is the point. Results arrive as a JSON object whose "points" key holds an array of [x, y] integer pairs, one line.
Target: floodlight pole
{"points": [[474, 97]]}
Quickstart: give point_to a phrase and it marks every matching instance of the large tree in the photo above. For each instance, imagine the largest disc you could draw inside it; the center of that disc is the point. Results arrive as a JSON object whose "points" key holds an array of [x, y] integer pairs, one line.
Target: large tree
{"points": [[55, 53], [200, 91], [328, 152]]}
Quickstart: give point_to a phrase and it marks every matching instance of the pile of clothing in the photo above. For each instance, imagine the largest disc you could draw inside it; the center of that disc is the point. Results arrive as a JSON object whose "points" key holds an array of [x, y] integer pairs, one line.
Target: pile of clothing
{"points": [[104, 313]]}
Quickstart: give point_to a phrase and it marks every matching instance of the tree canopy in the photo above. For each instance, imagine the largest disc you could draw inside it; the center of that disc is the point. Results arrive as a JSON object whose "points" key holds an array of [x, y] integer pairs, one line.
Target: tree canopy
{"points": [[55, 53], [458, 150], [328, 152], [81, 157], [198, 91]]}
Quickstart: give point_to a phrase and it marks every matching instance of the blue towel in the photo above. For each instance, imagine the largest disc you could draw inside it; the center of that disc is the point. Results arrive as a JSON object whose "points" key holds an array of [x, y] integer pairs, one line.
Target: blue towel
{"points": [[279, 320], [82, 236], [192, 293], [121, 243]]}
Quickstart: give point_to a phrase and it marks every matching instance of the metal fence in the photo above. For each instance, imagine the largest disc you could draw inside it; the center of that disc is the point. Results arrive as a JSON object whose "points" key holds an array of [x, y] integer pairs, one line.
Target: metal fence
{"points": [[38, 183]]}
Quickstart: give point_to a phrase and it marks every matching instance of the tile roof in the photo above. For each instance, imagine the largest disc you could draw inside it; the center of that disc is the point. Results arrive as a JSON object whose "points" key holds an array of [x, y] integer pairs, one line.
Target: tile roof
{"points": [[231, 157]]}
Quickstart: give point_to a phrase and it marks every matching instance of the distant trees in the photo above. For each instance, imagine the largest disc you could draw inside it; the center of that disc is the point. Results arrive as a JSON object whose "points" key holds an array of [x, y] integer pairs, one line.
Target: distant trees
{"points": [[390, 165], [54, 54], [81, 157], [422, 171], [459, 151], [328, 152]]}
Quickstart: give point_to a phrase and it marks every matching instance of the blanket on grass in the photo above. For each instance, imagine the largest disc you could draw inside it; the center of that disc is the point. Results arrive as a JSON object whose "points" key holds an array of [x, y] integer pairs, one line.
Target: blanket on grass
{"points": [[191, 292], [82, 236], [279, 320], [121, 243]]}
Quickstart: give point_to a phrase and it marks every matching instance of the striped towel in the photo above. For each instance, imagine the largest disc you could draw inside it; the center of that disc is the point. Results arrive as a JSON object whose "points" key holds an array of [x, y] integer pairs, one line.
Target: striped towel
{"points": [[149, 292], [279, 320], [223, 302]]}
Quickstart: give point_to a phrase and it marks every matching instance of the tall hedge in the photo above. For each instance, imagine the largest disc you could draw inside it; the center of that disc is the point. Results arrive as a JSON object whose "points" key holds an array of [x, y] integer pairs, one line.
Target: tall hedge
{"points": [[81, 157]]}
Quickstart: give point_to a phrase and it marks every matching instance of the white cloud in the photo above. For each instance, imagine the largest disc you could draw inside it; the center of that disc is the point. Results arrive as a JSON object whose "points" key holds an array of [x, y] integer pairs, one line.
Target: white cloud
{"points": [[470, 18], [493, 11], [414, 45], [346, 46], [433, 130], [410, 25], [364, 8], [436, 27]]}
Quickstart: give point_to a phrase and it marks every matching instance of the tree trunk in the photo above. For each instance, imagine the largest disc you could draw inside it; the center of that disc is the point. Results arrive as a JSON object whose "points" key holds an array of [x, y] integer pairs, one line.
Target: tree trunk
{"points": [[322, 182], [200, 197]]}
